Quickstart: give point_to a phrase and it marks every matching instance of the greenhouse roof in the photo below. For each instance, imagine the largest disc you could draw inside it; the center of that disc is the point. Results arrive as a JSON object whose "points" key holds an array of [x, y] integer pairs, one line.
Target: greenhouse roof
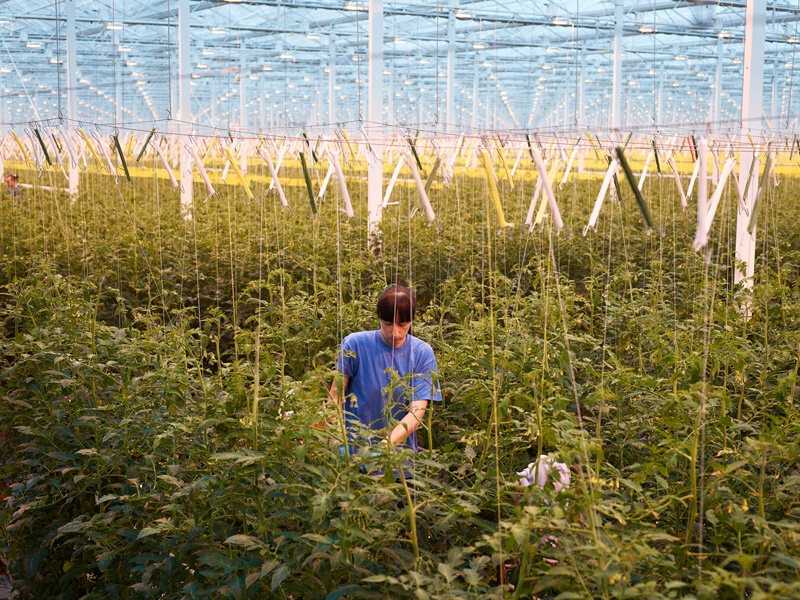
{"points": [[304, 63]]}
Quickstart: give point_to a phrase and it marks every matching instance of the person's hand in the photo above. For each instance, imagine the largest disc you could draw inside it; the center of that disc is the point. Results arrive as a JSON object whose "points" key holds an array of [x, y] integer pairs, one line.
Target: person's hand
{"points": [[333, 393]]}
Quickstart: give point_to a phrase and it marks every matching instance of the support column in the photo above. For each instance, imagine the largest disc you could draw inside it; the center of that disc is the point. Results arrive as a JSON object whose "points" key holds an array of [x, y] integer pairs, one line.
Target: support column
{"points": [[72, 100], [565, 124], [752, 106], [489, 96], [475, 94], [616, 86], [375, 117], [450, 116], [332, 82], [185, 113], [320, 117], [774, 118], [390, 102], [243, 120], [262, 103], [579, 114], [716, 120]]}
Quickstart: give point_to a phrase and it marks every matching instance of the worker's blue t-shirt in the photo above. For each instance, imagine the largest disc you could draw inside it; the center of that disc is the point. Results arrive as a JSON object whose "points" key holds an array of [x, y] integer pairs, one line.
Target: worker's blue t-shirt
{"points": [[369, 362]]}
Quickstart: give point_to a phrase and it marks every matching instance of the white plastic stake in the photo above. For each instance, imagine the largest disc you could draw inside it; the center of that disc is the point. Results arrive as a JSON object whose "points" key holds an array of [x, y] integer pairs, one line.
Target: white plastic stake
{"points": [[281, 153], [692, 180], [104, 150], [325, 182], [198, 163], [551, 199], [715, 170], [452, 162], [701, 236], [569, 164], [613, 167], [225, 170], [73, 156], [154, 143], [677, 178], [265, 155], [536, 191], [727, 169], [426, 205], [348, 205], [392, 181], [643, 176], [516, 163]]}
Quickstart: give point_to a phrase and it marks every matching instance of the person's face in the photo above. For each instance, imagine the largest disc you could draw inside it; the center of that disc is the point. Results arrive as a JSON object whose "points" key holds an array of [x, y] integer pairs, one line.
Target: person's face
{"points": [[395, 333], [8, 180]]}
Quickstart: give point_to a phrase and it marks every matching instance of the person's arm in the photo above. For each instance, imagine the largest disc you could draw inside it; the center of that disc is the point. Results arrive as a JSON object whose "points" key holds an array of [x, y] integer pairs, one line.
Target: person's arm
{"points": [[333, 392], [409, 423]]}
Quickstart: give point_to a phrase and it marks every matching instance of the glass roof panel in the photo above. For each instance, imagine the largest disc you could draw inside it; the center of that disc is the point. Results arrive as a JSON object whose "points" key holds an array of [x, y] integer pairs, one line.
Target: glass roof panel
{"points": [[522, 65]]}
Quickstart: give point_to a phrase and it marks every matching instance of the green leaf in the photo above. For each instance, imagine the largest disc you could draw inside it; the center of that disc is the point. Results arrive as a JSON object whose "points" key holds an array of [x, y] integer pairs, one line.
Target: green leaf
{"points": [[673, 585], [278, 577], [447, 572], [350, 588], [104, 559], [631, 484], [172, 480], [148, 531], [320, 539], [249, 542], [74, 526], [787, 560], [267, 567], [214, 559]]}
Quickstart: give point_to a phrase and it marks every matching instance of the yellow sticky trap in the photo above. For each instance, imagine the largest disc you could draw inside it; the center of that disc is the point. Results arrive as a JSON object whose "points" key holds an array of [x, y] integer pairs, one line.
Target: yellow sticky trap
{"points": [[594, 146], [349, 145], [505, 170], [551, 177], [210, 146], [89, 145], [129, 145], [238, 172], [487, 166], [750, 137], [25, 154]]}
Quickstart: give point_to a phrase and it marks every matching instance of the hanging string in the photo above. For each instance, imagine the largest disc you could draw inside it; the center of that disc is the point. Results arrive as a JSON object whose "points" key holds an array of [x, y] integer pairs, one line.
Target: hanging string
{"points": [[170, 110], [436, 67], [358, 71], [58, 54], [791, 69]]}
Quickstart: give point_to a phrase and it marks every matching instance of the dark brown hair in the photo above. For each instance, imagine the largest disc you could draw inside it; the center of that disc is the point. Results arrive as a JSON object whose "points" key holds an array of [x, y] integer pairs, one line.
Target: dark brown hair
{"points": [[397, 305]]}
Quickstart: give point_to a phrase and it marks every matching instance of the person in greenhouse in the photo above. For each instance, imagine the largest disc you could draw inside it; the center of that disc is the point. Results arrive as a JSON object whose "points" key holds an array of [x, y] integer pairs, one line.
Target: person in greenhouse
{"points": [[13, 189], [389, 375]]}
